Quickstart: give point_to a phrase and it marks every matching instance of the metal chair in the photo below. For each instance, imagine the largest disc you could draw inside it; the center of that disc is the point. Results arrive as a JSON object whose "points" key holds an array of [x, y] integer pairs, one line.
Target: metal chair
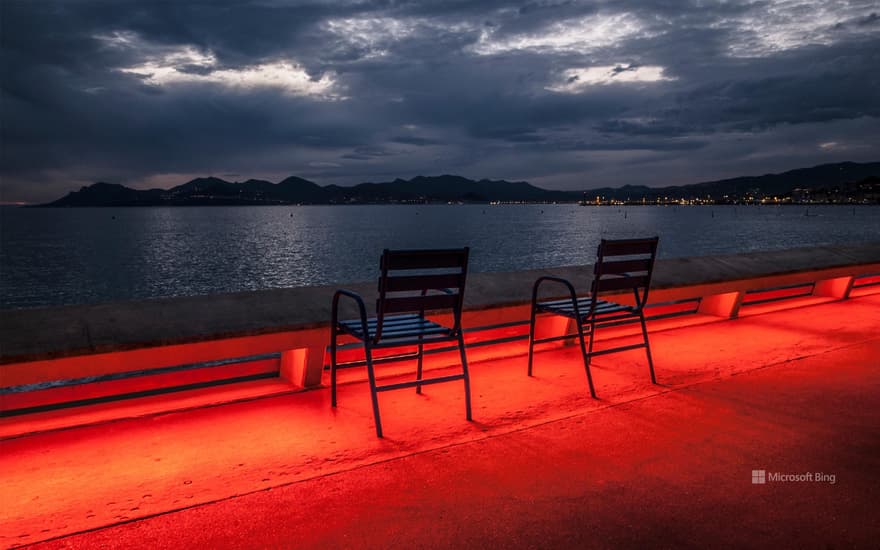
{"points": [[412, 283], [621, 265]]}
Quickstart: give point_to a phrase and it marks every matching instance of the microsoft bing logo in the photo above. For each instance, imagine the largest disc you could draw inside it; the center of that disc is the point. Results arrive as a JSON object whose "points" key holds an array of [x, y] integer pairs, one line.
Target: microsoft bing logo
{"points": [[761, 477]]}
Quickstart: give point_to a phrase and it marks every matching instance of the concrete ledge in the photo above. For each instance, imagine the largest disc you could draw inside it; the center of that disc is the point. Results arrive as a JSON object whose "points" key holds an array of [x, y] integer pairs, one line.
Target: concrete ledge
{"points": [[82, 355], [48, 333]]}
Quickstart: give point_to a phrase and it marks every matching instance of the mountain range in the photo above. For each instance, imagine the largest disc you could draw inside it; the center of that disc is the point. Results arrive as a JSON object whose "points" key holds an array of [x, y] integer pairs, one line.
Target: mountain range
{"points": [[449, 188]]}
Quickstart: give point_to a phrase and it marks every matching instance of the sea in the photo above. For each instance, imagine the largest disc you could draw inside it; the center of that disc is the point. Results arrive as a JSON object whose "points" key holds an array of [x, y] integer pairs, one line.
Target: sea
{"points": [[53, 257]]}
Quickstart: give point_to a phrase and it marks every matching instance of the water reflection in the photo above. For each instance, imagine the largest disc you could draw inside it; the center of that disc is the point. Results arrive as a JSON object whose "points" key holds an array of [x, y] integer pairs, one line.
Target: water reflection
{"points": [[64, 256]]}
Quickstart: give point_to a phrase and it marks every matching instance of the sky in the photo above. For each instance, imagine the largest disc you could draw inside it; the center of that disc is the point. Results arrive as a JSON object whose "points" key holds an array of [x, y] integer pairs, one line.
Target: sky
{"points": [[564, 94]]}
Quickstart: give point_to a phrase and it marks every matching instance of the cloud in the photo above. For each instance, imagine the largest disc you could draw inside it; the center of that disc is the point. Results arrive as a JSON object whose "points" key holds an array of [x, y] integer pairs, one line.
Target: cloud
{"points": [[169, 66], [343, 92], [782, 25], [414, 140], [584, 35], [578, 79]]}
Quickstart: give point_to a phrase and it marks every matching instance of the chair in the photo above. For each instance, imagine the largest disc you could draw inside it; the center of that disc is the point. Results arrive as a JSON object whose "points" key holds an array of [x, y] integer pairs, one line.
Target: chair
{"points": [[621, 265], [412, 283]]}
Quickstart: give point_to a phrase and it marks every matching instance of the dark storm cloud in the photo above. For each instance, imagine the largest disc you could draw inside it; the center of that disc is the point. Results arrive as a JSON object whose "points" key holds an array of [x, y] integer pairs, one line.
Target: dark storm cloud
{"points": [[413, 140], [150, 93]]}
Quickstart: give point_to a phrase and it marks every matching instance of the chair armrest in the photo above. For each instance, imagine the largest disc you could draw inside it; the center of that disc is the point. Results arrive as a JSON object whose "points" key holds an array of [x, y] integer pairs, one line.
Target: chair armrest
{"points": [[334, 319], [559, 280]]}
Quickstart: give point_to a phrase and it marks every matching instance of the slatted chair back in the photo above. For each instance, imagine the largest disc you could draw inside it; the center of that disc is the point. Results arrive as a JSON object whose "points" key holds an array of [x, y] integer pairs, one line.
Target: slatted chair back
{"points": [[625, 264], [421, 281]]}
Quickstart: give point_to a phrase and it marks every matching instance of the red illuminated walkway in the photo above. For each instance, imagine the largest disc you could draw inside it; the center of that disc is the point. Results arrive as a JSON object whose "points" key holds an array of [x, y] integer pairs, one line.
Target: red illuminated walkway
{"points": [[543, 465]]}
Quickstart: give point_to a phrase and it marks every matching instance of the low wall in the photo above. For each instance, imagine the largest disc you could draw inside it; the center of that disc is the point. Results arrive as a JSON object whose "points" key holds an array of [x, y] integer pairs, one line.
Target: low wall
{"points": [[284, 332]]}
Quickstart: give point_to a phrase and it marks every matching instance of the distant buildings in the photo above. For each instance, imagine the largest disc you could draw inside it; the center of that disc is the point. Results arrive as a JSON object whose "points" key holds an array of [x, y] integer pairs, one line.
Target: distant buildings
{"points": [[866, 191], [863, 192]]}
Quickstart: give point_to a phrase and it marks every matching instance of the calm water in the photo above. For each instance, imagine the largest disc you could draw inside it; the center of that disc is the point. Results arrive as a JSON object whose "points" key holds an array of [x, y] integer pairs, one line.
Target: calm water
{"points": [[70, 256]]}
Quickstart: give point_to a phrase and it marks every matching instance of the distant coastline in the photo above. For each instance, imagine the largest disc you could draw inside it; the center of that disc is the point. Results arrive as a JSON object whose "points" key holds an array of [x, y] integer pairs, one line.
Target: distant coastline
{"points": [[840, 183]]}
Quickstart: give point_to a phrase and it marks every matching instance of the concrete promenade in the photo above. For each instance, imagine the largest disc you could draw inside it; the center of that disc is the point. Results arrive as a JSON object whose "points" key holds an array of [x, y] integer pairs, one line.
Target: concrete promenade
{"points": [[795, 391]]}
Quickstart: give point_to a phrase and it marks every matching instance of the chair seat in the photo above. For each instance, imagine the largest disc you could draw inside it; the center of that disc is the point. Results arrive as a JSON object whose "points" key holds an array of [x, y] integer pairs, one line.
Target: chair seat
{"points": [[564, 307], [409, 326]]}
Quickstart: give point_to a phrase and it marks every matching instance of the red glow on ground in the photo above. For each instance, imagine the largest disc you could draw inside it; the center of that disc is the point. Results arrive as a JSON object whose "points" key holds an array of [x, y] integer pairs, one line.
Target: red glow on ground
{"points": [[79, 479]]}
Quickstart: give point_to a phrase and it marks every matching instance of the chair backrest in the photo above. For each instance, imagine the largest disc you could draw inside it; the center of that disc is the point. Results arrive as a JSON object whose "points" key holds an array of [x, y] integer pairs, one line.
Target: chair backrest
{"points": [[421, 281], [624, 264]]}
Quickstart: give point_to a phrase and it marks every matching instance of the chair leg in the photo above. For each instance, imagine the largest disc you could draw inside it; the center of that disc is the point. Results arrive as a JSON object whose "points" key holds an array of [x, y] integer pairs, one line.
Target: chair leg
{"points": [[419, 368], [647, 347], [333, 365], [587, 355], [374, 395], [592, 339], [467, 377], [531, 339]]}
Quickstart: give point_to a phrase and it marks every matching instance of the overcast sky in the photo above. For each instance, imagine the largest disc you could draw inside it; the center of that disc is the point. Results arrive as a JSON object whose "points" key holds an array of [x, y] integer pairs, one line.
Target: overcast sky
{"points": [[563, 94]]}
